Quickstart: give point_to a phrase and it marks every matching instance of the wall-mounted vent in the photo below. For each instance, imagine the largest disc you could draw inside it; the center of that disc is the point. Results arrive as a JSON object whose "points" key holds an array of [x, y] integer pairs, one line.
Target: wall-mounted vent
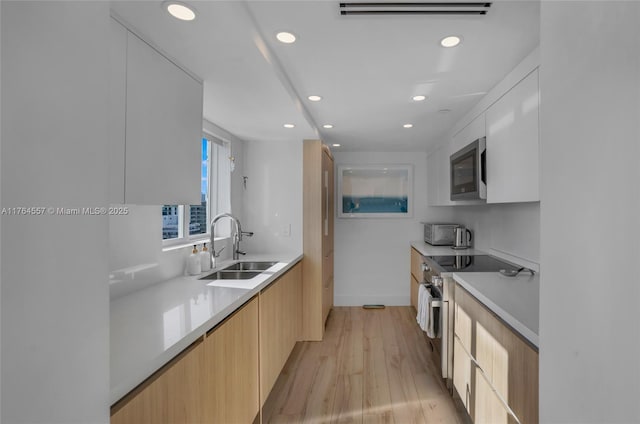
{"points": [[414, 8]]}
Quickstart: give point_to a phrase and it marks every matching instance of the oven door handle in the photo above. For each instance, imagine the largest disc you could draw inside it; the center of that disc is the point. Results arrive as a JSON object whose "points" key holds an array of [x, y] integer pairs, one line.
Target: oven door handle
{"points": [[444, 317], [436, 303]]}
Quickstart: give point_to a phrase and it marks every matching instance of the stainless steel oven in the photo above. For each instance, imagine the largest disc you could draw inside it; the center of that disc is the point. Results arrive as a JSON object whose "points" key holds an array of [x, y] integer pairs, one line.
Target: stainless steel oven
{"points": [[438, 272], [442, 346]]}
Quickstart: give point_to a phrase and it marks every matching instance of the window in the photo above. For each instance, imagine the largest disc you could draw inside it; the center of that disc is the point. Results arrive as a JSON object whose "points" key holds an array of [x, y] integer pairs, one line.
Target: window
{"points": [[183, 223]]}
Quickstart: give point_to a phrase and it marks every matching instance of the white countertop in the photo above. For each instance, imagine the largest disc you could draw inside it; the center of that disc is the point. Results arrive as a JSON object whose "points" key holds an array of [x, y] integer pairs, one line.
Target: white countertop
{"points": [[515, 300], [426, 249], [151, 326]]}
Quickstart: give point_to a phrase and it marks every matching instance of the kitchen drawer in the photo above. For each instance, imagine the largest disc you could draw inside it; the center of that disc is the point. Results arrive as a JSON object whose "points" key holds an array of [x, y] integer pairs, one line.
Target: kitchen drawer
{"points": [[414, 292], [489, 408], [462, 327], [462, 366], [509, 364], [416, 264]]}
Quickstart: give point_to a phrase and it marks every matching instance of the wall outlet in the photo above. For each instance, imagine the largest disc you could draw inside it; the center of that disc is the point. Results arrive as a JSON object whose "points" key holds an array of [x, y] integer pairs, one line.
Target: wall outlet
{"points": [[286, 230]]}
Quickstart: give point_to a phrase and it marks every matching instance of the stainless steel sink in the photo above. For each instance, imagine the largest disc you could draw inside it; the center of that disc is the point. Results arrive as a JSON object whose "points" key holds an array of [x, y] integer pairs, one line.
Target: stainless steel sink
{"points": [[250, 266], [231, 275]]}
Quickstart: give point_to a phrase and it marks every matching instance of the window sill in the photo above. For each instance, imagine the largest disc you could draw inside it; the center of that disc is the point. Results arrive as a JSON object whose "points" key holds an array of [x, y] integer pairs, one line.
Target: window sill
{"points": [[190, 243]]}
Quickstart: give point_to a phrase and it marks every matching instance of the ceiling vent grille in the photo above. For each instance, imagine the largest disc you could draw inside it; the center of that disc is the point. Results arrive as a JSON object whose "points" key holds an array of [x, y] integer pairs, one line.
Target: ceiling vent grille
{"points": [[414, 8]]}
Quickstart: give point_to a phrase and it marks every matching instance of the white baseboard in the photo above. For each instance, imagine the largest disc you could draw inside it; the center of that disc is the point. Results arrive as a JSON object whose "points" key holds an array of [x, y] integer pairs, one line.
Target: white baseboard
{"points": [[359, 300]]}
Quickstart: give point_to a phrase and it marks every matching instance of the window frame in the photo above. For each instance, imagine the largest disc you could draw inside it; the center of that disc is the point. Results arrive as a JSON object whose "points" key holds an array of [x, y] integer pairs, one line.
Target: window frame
{"points": [[184, 211]]}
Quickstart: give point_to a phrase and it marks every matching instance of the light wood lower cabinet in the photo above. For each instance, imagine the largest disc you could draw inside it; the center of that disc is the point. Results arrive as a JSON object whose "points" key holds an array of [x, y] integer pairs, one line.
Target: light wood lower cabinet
{"points": [[462, 366], [215, 380], [507, 364], [414, 292], [416, 276], [280, 326], [489, 409], [416, 264], [175, 394], [232, 368], [225, 376]]}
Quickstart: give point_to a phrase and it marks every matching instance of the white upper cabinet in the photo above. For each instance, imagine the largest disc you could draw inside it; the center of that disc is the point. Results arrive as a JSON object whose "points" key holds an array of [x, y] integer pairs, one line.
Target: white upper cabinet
{"points": [[156, 127], [438, 177], [513, 144], [117, 110], [475, 130]]}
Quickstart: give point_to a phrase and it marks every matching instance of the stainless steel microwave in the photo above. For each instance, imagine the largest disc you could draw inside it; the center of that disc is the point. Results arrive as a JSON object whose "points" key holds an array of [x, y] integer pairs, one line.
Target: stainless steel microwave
{"points": [[468, 171]]}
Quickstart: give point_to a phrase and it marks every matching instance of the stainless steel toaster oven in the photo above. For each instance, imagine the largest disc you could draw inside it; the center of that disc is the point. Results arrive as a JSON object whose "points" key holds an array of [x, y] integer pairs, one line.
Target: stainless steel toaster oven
{"points": [[439, 234]]}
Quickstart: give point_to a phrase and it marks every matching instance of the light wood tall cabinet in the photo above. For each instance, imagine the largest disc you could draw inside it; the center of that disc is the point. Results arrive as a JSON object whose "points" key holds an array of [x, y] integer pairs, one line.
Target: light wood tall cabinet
{"points": [[495, 371], [318, 222], [280, 326]]}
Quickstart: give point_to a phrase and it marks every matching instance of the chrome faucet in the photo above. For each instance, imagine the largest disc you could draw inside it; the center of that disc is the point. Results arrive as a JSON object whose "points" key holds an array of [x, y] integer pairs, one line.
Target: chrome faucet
{"points": [[237, 236]]}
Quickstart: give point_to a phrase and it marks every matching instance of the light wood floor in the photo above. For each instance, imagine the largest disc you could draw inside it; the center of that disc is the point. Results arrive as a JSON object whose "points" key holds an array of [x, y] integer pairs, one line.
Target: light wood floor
{"points": [[372, 366]]}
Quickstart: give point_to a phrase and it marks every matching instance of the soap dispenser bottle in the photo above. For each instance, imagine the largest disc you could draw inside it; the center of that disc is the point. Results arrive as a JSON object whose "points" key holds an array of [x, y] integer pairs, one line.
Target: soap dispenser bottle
{"points": [[193, 262], [205, 259]]}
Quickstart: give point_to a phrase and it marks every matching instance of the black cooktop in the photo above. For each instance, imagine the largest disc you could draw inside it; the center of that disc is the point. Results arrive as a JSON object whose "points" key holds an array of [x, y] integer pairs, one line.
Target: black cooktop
{"points": [[473, 263]]}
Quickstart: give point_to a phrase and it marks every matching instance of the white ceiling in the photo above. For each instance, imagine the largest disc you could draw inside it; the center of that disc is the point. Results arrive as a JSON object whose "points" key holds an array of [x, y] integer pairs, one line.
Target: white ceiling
{"points": [[365, 68]]}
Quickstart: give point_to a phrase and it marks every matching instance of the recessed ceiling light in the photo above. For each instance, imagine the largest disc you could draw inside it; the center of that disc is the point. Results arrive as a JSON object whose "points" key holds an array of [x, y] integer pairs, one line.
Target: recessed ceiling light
{"points": [[450, 41], [314, 98], [180, 10], [286, 37], [408, 125], [327, 126], [419, 98], [336, 145], [289, 126]]}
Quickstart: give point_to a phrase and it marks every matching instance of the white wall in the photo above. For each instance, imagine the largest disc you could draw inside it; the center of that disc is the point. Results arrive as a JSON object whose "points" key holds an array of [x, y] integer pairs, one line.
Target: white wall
{"points": [[136, 258], [0, 215], [371, 256], [590, 231], [273, 197], [509, 228], [55, 294]]}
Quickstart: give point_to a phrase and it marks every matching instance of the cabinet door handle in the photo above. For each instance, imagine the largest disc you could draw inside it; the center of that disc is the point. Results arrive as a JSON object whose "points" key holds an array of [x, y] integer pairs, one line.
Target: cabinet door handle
{"points": [[467, 396], [326, 203]]}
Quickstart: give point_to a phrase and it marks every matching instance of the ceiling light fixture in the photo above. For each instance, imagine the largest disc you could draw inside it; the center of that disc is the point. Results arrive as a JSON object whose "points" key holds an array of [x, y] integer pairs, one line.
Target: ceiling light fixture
{"points": [[408, 125], [314, 98], [336, 145], [419, 98], [180, 10], [450, 41], [286, 37], [327, 126], [289, 126]]}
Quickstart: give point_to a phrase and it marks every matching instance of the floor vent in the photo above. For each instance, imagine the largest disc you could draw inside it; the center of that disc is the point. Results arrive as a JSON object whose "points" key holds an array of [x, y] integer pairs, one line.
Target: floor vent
{"points": [[414, 8]]}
